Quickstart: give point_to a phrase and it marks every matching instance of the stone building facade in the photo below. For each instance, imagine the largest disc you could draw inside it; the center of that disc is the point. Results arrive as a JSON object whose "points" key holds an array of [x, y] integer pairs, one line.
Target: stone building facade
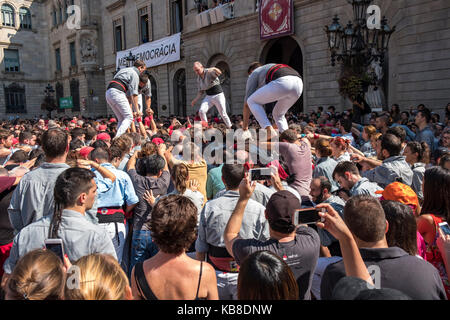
{"points": [[55, 51], [417, 68]]}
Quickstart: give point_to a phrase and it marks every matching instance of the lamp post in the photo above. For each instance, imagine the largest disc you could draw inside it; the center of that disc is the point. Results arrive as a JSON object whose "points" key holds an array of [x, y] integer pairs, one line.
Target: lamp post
{"points": [[131, 58], [49, 101], [358, 47]]}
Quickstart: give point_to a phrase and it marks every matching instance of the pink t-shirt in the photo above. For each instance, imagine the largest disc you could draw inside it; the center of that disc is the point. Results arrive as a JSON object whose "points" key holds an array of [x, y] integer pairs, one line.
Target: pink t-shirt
{"points": [[298, 160]]}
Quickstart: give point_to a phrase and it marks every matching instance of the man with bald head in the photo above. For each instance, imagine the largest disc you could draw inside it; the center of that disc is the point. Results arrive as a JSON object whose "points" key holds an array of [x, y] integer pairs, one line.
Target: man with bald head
{"points": [[208, 82]]}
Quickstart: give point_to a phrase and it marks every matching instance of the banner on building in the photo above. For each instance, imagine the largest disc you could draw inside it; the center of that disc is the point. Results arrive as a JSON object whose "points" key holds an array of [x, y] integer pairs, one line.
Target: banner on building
{"points": [[153, 53], [276, 18], [66, 103]]}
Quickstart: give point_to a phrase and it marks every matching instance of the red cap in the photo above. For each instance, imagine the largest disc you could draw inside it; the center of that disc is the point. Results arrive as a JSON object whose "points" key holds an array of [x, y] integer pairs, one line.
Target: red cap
{"points": [[112, 120], [84, 152], [158, 141], [73, 121], [102, 127], [103, 136]]}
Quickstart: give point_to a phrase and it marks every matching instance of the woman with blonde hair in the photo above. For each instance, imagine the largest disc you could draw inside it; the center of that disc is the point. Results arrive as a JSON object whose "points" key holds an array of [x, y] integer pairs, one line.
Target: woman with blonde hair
{"points": [[100, 277], [38, 275]]}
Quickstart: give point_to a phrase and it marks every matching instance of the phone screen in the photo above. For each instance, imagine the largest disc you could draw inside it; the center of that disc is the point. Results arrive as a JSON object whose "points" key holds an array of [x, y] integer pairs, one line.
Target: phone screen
{"points": [[307, 216], [260, 174], [445, 228], [56, 248]]}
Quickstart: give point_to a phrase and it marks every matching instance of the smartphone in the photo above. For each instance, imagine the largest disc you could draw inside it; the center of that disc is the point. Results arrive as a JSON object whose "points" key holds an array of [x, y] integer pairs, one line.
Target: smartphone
{"points": [[260, 174], [306, 216], [56, 246], [445, 228]]}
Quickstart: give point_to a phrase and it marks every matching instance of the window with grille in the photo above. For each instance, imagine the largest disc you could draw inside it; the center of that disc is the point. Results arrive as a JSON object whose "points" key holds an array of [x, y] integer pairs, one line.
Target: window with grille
{"points": [[58, 59], [144, 25], [15, 98], [25, 18], [177, 16], [118, 35], [11, 60], [8, 15], [73, 54]]}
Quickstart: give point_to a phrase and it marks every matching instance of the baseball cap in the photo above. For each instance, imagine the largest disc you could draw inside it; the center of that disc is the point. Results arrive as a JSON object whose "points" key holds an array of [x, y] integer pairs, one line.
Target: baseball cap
{"points": [[281, 208], [112, 120], [157, 141], [103, 136], [102, 127], [400, 192], [84, 152], [351, 288]]}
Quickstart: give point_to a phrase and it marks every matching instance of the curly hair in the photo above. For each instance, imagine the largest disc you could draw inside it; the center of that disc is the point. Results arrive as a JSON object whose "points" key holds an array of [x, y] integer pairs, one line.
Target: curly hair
{"points": [[341, 143], [174, 224]]}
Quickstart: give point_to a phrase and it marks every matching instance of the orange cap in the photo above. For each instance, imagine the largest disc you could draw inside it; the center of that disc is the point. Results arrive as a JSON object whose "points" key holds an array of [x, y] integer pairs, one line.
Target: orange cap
{"points": [[400, 192]]}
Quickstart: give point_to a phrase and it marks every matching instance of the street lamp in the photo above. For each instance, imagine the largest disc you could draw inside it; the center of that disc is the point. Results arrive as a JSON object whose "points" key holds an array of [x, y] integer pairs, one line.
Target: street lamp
{"points": [[49, 102], [131, 59], [356, 45]]}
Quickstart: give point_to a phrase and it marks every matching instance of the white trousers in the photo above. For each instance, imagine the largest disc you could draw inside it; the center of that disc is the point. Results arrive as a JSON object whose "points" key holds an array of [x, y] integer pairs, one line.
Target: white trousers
{"points": [[117, 236], [120, 105], [285, 90], [219, 101]]}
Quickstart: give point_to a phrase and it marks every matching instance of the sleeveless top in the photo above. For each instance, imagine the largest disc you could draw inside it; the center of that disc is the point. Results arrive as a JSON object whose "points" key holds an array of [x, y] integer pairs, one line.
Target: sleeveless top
{"points": [[145, 292], [435, 258]]}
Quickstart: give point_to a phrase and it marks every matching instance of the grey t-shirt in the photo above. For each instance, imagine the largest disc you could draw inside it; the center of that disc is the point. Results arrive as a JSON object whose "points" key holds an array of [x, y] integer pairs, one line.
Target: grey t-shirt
{"points": [[257, 79], [300, 255], [129, 76], [209, 80]]}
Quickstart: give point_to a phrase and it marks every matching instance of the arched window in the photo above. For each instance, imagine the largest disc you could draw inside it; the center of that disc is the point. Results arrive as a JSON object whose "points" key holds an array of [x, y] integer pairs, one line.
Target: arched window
{"points": [[179, 86], [25, 18], [8, 15]]}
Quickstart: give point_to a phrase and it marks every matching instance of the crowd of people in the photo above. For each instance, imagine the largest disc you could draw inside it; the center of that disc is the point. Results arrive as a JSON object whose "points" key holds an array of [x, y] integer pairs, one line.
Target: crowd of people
{"points": [[144, 215]]}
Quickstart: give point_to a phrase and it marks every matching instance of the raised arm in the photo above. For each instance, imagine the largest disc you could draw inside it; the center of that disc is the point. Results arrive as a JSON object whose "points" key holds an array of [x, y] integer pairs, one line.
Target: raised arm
{"points": [[353, 262], [234, 224]]}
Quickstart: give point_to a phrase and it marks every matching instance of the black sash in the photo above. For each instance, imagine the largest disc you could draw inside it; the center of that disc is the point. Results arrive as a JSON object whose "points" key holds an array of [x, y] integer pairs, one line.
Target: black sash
{"points": [[214, 90], [280, 70]]}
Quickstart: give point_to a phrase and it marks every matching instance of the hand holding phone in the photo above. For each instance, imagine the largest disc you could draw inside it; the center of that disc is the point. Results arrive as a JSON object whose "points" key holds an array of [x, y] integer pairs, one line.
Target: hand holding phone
{"points": [[445, 228], [333, 223], [306, 216], [260, 174], [56, 246]]}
